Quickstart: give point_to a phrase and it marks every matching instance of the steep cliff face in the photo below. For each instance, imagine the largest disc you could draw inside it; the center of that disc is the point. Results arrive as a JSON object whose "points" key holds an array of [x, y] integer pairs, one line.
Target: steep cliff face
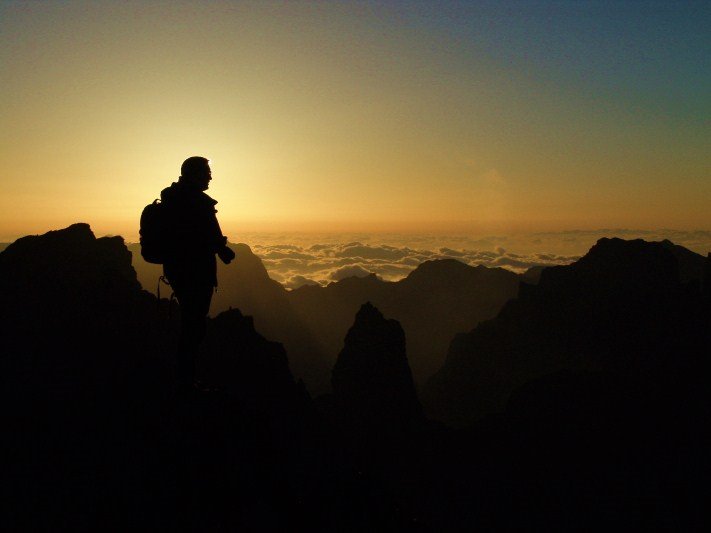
{"points": [[622, 308], [373, 389]]}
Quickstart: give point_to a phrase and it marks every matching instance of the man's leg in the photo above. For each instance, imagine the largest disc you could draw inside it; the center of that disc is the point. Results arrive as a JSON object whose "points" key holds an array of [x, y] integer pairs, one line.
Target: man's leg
{"points": [[194, 306]]}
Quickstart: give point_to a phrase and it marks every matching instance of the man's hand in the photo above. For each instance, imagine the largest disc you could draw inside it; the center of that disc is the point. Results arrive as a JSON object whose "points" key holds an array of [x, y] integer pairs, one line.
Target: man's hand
{"points": [[226, 255]]}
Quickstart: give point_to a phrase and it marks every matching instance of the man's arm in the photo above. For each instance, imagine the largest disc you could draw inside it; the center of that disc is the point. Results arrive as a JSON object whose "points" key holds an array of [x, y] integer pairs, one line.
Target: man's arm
{"points": [[225, 253]]}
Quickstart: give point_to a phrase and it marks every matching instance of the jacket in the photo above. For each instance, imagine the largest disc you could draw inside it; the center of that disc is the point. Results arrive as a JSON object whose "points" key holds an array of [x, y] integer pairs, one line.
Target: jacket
{"points": [[194, 236]]}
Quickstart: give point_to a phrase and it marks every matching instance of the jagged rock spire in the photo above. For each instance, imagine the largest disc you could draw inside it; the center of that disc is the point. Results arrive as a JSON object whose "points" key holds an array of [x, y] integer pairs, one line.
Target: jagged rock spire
{"points": [[371, 379]]}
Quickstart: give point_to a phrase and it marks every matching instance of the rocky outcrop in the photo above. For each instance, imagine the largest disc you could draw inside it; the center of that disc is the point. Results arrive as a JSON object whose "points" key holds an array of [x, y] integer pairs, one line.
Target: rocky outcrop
{"points": [[622, 308], [94, 434], [72, 304], [68, 296], [373, 390]]}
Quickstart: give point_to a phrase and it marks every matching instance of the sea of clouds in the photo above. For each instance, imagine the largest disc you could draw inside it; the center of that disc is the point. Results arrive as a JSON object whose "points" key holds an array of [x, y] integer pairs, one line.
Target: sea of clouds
{"points": [[322, 259], [296, 259], [321, 263]]}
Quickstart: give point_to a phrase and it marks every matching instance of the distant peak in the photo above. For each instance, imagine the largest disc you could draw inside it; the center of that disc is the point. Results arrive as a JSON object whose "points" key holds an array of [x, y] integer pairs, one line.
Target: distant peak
{"points": [[368, 311], [439, 267], [442, 264], [628, 263]]}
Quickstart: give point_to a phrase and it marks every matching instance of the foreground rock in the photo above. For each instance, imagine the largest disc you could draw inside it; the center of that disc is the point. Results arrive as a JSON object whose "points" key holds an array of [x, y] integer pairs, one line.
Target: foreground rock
{"points": [[94, 433], [609, 429]]}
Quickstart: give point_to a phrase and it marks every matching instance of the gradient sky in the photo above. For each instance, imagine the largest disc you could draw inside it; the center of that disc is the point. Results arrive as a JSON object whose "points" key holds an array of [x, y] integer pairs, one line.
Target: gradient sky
{"points": [[359, 116]]}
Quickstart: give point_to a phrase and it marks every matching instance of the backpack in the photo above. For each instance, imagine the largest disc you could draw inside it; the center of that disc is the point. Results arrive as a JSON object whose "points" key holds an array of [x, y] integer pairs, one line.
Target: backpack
{"points": [[153, 232]]}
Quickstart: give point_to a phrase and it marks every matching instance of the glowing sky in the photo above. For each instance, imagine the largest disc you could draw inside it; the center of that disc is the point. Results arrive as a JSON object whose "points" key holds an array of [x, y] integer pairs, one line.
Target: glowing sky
{"points": [[358, 116]]}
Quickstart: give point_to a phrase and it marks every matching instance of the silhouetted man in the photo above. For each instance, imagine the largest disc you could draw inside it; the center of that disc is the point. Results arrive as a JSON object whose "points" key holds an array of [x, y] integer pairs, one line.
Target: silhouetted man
{"points": [[194, 237]]}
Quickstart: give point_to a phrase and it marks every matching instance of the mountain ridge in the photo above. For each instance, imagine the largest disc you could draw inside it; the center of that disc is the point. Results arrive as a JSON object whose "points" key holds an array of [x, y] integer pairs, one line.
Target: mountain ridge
{"points": [[436, 300], [620, 308]]}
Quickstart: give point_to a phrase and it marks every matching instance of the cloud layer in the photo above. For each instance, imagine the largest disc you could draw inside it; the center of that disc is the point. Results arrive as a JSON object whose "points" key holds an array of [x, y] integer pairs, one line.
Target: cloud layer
{"points": [[323, 262], [322, 259]]}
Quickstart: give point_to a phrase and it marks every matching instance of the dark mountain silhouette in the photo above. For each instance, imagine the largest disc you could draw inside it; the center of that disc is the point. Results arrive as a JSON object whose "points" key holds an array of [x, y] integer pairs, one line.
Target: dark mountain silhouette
{"points": [[434, 302], [599, 375], [373, 391], [93, 433], [67, 287], [589, 393], [622, 308]]}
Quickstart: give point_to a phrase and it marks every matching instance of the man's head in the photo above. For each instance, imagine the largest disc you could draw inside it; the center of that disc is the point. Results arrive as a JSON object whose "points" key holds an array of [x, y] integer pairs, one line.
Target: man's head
{"points": [[196, 171]]}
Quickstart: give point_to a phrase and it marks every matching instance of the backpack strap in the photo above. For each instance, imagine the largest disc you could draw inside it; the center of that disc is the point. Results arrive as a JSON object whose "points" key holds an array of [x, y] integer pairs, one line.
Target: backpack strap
{"points": [[172, 295], [164, 280]]}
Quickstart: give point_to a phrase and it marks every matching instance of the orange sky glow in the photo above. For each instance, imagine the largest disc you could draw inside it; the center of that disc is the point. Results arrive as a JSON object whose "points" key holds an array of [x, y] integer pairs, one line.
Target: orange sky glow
{"points": [[352, 117]]}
